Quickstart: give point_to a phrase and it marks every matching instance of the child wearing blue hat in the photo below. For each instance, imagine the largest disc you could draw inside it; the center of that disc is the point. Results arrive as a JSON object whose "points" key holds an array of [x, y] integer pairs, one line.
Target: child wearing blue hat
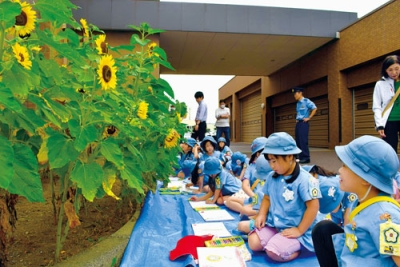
{"points": [[371, 238], [250, 206], [209, 148], [186, 159], [221, 183], [226, 152], [334, 202], [290, 204], [249, 178], [238, 164]]}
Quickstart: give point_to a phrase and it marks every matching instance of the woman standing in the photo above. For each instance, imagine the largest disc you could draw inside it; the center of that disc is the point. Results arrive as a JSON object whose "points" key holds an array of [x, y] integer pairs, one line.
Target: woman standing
{"points": [[385, 104]]}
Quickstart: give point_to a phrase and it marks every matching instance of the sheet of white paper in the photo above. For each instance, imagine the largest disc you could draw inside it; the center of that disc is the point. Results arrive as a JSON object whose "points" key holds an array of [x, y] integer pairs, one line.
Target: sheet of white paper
{"points": [[215, 215], [217, 229]]}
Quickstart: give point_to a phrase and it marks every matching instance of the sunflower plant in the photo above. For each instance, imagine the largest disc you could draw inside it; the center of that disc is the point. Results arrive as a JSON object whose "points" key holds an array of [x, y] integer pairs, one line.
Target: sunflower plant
{"points": [[83, 110]]}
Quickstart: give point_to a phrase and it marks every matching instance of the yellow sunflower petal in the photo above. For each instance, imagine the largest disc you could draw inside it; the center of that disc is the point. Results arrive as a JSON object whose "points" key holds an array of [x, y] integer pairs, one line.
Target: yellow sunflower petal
{"points": [[142, 110], [25, 21], [22, 56], [172, 139], [101, 45], [85, 28], [107, 73]]}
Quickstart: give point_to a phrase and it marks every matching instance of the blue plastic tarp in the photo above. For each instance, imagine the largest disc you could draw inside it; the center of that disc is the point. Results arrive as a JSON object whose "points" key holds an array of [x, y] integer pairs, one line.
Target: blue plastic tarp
{"points": [[164, 220]]}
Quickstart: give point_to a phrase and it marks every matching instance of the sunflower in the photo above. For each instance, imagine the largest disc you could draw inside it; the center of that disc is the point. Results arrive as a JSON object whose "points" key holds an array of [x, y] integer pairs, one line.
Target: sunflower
{"points": [[142, 110], [21, 53], [24, 22], [172, 139], [107, 72], [151, 48], [101, 45], [85, 28]]}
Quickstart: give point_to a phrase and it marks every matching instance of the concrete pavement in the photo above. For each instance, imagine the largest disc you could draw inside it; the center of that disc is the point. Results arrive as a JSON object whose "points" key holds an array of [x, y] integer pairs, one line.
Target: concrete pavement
{"points": [[320, 156]]}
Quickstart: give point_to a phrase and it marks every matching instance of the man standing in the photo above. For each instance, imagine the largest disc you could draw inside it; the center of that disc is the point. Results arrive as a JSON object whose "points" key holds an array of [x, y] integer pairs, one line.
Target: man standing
{"points": [[201, 117], [222, 115], [305, 110]]}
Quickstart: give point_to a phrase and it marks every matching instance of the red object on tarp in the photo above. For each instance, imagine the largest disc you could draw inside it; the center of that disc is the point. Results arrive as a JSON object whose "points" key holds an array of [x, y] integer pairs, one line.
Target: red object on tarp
{"points": [[188, 245]]}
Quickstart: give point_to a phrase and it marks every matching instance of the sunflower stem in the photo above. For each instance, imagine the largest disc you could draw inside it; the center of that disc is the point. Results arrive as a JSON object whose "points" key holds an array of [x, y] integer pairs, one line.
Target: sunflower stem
{"points": [[2, 31]]}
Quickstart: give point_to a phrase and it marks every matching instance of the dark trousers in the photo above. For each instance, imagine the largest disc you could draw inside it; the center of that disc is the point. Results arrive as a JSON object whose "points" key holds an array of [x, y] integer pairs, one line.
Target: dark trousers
{"points": [[201, 131], [323, 244], [302, 129], [392, 129], [227, 133]]}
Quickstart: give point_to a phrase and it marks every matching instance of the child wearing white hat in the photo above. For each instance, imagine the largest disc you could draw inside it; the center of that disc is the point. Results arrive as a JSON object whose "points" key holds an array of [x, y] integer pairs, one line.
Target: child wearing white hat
{"points": [[290, 205], [372, 236]]}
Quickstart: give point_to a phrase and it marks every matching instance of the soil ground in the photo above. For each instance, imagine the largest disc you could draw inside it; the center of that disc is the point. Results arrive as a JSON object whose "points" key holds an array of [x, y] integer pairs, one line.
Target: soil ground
{"points": [[34, 238]]}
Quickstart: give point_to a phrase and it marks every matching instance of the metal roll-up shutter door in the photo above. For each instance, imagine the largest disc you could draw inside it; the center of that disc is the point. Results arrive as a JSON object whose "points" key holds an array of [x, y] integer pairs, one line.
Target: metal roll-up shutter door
{"points": [[251, 117], [285, 120], [364, 123]]}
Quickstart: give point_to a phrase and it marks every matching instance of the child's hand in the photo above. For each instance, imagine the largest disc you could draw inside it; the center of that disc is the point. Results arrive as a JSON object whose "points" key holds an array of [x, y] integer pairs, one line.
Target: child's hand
{"points": [[193, 198], [259, 222], [291, 232], [181, 175], [209, 201]]}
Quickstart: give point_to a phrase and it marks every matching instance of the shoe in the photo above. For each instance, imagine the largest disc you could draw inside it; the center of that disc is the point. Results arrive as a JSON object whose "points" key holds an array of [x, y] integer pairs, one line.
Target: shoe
{"points": [[302, 161]]}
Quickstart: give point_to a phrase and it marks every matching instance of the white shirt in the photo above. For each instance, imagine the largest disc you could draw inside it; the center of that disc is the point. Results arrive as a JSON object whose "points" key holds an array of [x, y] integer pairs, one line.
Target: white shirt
{"points": [[222, 122], [383, 93]]}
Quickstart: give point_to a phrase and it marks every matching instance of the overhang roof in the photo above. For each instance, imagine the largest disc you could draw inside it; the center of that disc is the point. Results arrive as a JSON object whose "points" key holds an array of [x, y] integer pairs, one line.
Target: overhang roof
{"points": [[222, 39]]}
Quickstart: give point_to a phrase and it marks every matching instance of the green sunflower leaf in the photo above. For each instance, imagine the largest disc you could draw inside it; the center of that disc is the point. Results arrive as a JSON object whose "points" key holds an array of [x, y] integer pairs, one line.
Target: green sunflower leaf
{"points": [[8, 12], [88, 177], [6, 162], [57, 11], [8, 99], [61, 149], [26, 181], [112, 152], [132, 173], [84, 135], [20, 80]]}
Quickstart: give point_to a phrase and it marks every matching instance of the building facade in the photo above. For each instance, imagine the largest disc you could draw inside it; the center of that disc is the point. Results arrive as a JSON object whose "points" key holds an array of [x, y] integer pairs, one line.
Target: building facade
{"points": [[339, 77]]}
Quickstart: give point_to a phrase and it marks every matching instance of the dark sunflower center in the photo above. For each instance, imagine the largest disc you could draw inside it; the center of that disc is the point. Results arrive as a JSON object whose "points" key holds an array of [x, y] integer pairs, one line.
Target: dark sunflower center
{"points": [[21, 57], [21, 19], [107, 73], [104, 48]]}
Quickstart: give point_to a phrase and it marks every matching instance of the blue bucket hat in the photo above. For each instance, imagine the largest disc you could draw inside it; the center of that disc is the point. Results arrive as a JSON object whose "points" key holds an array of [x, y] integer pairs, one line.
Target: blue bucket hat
{"points": [[258, 144], [262, 168], [221, 139], [208, 138], [190, 142], [212, 166], [281, 143], [372, 159], [331, 194], [236, 161]]}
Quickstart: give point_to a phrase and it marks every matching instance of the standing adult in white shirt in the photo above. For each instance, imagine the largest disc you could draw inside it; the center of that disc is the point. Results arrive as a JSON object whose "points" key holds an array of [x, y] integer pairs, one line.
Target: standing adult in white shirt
{"points": [[222, 115]]}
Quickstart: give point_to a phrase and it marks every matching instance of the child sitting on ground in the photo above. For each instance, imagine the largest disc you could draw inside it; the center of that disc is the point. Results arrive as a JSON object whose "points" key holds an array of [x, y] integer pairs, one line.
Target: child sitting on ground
{"points": [[290, 205], [208, 146], [226, 152], [237, 165], [250, 206], [334, 203], [371, 236], [186, 159], [221, 183]]}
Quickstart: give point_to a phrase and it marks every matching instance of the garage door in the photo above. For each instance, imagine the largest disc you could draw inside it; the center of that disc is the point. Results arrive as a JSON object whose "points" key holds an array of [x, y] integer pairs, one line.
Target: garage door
{"points": [[363, 115], [251, 117], [285, 120]]}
